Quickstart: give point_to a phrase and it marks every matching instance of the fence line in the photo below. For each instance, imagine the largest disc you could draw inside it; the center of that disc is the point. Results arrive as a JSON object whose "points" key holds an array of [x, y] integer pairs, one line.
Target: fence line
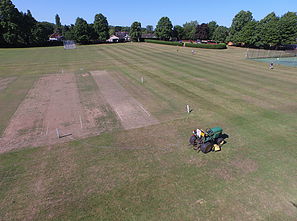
{"points": [[261, 53]]}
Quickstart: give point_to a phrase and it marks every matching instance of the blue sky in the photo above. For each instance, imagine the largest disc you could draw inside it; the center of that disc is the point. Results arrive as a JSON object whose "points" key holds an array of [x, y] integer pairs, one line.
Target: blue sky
{"points": [[125, 12]]}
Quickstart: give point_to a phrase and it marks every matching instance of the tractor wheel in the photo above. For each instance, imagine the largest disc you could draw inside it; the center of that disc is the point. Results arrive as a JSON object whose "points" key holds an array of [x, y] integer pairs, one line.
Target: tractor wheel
{"points": [[220, 141], [193, 140], [206, 147]]}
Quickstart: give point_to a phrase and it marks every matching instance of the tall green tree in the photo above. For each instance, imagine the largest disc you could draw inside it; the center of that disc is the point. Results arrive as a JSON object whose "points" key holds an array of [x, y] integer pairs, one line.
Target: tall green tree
{"points": [[2, 42], [164, 28], [247, 35], [178, 32], [58, 28], [190, 30], [10, 19], [27, 27], [126, 28], [202, 31], [101, 27], [111, 30], [238, 22], [220, 34], [288, 26], [268, 33], [81, 31], [149, 29], [92, 33], [135, 31], [69, 32], [212, 26], [42, 31]]}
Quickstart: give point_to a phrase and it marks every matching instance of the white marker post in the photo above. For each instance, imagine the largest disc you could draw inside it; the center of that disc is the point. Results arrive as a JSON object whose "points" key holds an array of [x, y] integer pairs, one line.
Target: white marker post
{"points": [[46, 130], [142, 80], [58, 133], [81, 125], [188, 108]]}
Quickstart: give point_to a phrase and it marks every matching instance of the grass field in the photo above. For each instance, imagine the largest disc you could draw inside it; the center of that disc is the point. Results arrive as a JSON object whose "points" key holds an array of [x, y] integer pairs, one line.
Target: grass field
{"points": [[150, 173]]}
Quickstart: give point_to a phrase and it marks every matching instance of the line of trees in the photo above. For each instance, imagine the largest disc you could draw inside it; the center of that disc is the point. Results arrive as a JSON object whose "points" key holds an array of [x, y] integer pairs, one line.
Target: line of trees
{"points": [[271, 31], [18, 29], [22, 29], [191, 31], [85, 33]]}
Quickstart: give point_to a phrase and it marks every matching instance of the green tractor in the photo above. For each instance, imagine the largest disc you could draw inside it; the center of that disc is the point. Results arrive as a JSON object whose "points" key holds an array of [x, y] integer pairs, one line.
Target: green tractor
{"points": [[209, 140]]}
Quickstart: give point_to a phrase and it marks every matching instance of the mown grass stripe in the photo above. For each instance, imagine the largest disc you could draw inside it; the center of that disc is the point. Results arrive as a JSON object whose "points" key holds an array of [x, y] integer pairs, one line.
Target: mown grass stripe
{"points": [[176, 87], [184, 70], [226, 59]]}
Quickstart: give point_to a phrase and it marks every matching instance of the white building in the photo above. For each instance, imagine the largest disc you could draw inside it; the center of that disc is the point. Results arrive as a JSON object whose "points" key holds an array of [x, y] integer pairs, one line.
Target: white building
{"points": [[113, 38]]}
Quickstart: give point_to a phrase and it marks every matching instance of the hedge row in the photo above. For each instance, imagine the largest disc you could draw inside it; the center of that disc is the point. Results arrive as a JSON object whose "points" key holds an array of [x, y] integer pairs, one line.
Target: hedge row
{"points": [[39, 44], [208, 46], [163, 42]]}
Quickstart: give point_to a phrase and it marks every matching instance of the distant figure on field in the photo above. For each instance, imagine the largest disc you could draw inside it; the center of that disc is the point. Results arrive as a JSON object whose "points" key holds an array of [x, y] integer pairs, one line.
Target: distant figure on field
{"points": [[271, 65], [193, 52]]}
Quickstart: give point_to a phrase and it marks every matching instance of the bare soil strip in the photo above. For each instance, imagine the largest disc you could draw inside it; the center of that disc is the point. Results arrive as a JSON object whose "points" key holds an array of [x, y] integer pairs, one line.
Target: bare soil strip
{"points": [[26, 123], [98, 115], [64, 109], [51, 108], [131, 112], [4, 82]]}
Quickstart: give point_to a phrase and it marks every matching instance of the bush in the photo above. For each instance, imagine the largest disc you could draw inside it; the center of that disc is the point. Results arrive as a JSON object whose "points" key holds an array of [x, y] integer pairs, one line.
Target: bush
{"points": [[208, 46], [164, 42]]}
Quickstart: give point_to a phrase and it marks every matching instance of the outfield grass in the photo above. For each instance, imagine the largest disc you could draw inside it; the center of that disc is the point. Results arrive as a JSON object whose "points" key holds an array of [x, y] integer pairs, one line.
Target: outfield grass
{"points": [[151, 173]]}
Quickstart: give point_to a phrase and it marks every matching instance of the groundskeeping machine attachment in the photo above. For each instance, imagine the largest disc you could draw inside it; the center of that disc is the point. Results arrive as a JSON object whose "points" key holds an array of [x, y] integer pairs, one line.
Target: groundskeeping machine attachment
{"points": [[210, 140]]}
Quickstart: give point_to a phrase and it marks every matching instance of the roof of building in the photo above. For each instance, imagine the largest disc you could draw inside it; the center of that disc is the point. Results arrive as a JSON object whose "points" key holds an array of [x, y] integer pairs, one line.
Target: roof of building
{"points": [[114, 37], [121, 34], [55, 35]]}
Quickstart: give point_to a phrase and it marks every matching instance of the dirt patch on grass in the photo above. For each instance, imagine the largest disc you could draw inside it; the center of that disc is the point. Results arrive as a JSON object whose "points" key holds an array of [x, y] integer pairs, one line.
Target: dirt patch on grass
{"points": [[26, 123], [223, 173], [131, 113], [199, 79], [245, 165], [4, 82], [195, 161], [51, 108], [240, 166]]}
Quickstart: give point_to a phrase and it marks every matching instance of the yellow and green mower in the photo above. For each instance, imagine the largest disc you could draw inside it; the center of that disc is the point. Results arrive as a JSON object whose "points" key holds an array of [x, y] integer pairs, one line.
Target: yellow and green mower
{"points": [[211, 139]]}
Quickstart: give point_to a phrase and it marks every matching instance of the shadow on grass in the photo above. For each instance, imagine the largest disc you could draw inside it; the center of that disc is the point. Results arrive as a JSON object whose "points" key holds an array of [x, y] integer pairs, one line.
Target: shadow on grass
{"points": [[224, 136], [294, 204]]}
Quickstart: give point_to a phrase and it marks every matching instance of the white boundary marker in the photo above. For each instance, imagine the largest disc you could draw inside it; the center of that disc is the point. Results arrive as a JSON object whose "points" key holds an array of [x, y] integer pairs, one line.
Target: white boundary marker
{"points": [[188, 108], [119, 115], [142, 80], [46, 130], [58, 133], [144, 110], [81, 126]]}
